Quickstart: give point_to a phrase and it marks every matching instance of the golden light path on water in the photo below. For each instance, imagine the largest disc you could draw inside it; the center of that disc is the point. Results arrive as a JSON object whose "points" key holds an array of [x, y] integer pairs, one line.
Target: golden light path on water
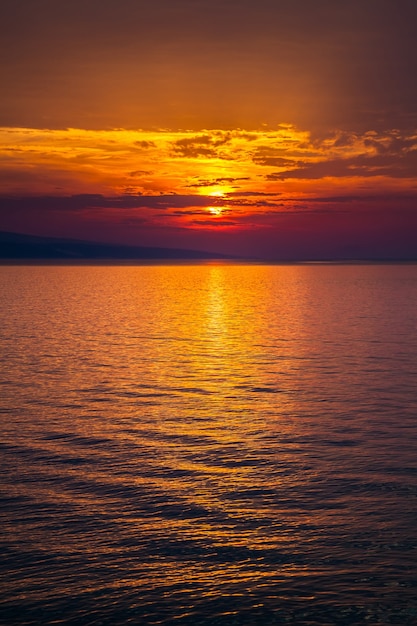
{"points": [[209, 444]]}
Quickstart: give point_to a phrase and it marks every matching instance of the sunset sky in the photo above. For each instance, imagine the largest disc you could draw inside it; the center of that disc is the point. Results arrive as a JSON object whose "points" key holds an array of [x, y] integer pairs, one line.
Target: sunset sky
{"points": [[271, 128]]}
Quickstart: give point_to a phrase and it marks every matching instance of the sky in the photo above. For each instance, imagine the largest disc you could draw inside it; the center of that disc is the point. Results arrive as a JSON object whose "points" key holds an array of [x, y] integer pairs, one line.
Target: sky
{"points": [[280, 129]]}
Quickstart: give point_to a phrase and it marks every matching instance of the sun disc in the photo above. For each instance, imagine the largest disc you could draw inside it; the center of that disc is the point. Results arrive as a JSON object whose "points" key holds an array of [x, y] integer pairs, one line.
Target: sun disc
{"points": [[216, 210]]}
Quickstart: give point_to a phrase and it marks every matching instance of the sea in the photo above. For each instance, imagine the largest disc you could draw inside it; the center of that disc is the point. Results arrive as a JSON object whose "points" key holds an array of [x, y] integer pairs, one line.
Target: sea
{"points": [[225, 444]]}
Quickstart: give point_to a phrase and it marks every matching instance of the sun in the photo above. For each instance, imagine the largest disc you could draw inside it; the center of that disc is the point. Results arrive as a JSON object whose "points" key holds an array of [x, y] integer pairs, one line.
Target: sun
{"points": [[216, 210]]}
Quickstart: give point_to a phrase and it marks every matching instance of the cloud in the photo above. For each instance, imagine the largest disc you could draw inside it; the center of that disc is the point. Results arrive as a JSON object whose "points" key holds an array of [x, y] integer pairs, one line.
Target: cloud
{"points": [[218, 181], [267, 178], [237, 202], [82, 202], [275, 161], [252, 193], [140, 173], [365, 198], [144, 144], [399, 165], [215, 223], [204, 145]]}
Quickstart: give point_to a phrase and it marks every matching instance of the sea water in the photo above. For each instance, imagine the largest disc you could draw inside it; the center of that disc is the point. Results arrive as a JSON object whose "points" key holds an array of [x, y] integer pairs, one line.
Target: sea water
{"points": [[209, 444]]}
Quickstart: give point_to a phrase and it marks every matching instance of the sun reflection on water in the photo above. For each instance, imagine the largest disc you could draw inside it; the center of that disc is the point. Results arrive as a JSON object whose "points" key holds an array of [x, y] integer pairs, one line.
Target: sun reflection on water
{"points": [[210, 440]]}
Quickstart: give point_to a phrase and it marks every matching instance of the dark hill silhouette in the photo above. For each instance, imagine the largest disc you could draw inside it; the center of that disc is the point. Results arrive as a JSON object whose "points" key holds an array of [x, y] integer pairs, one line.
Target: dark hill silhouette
{"points": [[20, 246]]}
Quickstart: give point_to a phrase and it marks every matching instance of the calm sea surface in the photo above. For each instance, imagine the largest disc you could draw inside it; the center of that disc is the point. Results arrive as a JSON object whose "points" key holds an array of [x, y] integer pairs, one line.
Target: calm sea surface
{"points": [[209, 444]]}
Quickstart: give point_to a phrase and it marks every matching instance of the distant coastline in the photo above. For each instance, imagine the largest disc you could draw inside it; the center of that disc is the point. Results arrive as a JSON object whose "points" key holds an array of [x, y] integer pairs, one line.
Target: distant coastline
{"points": [[18, 248]]}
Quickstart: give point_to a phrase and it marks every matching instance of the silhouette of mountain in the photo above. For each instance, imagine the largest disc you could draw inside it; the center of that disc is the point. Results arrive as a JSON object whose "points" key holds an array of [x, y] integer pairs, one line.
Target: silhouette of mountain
{"points": [[20, 246]]}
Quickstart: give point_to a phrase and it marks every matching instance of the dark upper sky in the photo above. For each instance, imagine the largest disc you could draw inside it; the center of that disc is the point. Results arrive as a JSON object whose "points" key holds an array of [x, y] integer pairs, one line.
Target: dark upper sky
{"points": [[339, 72], [208, 63]]}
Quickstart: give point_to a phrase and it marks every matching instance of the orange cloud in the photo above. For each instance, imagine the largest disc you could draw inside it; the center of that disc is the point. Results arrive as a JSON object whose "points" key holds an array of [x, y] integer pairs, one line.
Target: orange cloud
{"points": [[215, 177]]}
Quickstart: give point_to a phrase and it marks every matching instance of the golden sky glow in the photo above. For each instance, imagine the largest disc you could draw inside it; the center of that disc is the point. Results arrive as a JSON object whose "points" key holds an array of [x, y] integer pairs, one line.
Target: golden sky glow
{"points": [[192, 176], [163, 123]]}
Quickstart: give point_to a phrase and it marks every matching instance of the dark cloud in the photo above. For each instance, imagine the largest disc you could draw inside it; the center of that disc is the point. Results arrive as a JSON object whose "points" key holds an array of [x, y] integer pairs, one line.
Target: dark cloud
{"points": [[238, 202], [366, 199], [82, 202], [286, 155], [217, 181], [231, 194], [215, 223], [144, 144], [400, 165], [140, 173], [275, 161], [182, 212], [200, 145]]}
